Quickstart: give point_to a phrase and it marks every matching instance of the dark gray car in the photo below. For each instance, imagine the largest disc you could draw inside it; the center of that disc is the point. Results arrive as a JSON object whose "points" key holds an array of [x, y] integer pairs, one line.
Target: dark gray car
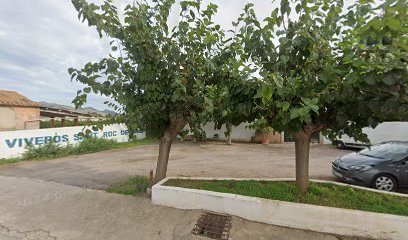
{"points": [[383, 166]]}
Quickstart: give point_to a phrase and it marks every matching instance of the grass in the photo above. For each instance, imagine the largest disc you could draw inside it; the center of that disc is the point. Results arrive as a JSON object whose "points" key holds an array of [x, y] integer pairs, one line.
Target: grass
{"points": [[90, 145], [145, 141], [133, 186], [322, 194]]}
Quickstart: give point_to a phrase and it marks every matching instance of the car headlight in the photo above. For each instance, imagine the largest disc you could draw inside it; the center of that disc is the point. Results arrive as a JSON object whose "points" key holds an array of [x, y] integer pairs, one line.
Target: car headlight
{"points": [[360, 168]]}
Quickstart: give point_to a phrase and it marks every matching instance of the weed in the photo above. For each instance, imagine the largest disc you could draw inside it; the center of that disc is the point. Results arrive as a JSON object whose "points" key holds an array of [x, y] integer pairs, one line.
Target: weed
{"points": [[133, 186]]}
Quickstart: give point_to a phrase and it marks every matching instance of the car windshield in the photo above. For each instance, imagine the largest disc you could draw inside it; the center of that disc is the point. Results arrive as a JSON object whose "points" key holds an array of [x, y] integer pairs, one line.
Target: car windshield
{"points": [[391, 151]]}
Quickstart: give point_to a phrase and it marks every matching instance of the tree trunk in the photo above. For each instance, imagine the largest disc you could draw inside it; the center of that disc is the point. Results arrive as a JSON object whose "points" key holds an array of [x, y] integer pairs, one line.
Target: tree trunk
{"points": [[302, 146], [229, 130], [170, 132]]}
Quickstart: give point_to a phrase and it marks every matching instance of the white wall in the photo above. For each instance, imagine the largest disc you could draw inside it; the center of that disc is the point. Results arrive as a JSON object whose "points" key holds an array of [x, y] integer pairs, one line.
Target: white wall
{"points": [[387, 131], [238, 133], [287, 214], [13, 143]]}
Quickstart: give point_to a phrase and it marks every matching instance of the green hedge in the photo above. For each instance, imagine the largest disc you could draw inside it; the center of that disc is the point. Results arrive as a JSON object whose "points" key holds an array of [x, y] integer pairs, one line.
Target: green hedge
{"points": [[71, 123]]}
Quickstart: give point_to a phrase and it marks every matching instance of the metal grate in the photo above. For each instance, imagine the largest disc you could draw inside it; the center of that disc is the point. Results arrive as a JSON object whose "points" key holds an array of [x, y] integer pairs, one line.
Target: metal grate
{"points": [[213, 225]]}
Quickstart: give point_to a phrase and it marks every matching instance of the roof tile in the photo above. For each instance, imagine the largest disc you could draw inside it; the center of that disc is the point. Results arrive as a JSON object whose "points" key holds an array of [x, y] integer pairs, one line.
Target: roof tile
{"points": [[11, 98]]}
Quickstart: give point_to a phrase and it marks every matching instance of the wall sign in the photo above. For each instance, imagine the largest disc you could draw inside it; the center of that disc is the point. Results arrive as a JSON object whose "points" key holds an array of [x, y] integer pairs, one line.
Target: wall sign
{"points": [[13, 143]]}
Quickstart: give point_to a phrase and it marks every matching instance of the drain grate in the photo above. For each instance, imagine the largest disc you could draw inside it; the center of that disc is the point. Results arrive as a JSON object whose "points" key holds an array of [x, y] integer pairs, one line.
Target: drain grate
{"points": [[213, 225]]}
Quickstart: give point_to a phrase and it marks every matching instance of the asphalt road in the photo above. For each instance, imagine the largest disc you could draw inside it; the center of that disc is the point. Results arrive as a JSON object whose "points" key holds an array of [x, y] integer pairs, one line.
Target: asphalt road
{"points": [[32, 209], [102, 169], [54, 199]]}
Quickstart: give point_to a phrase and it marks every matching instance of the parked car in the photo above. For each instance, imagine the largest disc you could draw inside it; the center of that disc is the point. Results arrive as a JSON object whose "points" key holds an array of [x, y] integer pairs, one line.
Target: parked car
{"points": [[387, 131], [382, 166]]}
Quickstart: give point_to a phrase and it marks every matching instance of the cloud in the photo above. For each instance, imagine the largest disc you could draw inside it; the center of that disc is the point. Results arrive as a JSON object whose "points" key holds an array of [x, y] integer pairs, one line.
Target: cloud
{"points": [[40, 40]]}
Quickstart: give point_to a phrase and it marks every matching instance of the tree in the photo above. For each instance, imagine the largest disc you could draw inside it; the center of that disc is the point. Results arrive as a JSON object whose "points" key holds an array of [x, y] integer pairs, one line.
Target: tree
{"points": [[234, 102], [328, 71], [236, 87], [159, 79]]}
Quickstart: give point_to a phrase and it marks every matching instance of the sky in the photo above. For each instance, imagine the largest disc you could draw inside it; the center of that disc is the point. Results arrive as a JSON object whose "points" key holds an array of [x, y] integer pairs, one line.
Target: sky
{"points": [[41, 39]]}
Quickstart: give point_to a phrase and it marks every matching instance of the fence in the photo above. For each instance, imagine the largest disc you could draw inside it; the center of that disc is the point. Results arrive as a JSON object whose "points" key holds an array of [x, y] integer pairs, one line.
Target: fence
{"points": [[13, 143]]}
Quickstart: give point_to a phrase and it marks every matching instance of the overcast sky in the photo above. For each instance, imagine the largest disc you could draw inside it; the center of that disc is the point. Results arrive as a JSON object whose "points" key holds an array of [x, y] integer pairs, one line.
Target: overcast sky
{"points": [[41, 39]]}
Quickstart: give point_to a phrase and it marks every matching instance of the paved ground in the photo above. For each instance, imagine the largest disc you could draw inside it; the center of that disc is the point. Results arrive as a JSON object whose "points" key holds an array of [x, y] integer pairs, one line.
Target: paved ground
{"points": [[102, 169], [33, 209], [40, 200]]}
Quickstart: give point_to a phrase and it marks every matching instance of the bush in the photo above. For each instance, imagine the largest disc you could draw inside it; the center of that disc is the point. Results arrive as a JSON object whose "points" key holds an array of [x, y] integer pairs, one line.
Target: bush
{"points": [[89, 145], [49, 150], [52, 150], [94, 144]]}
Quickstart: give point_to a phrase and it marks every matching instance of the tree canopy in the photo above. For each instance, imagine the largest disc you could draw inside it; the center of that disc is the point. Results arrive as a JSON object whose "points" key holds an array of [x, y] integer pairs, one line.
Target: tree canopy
{"points": [[329, 69], [310, 66], [234, 103], [159, 78]]}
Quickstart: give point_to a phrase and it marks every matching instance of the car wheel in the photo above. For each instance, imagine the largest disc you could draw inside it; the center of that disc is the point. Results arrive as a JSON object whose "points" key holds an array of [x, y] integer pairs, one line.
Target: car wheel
{"points": [[340, 145], [385, 183]]}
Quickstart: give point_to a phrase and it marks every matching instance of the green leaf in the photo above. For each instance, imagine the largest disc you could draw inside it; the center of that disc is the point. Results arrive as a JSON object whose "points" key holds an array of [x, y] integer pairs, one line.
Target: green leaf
{"points": [[284, 6], [285, 106], [298, 8], [389, 80], [370, 80], [192, 14], [284, 59], [393, 23], [294, 113], [87, 90], [348, 58], [376, 24], [266, 93], [315, 108], [71, 70]]}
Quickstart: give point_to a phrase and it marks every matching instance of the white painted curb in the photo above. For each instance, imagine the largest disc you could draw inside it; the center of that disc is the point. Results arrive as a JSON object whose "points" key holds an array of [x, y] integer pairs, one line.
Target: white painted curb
{"points": [[295, 215]]}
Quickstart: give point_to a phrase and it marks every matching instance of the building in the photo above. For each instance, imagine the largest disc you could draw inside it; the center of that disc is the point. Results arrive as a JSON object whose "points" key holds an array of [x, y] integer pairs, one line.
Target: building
{"points": [[18, 112], [53, 113]]}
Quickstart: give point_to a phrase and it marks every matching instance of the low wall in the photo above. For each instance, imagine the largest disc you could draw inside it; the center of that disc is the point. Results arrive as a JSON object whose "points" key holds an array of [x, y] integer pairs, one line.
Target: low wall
{"points": [[13, 143], [238, 133], [295, 215]]}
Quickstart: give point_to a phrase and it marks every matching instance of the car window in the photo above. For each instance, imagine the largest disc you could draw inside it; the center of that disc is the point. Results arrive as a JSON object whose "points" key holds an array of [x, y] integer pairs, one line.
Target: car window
{"points": [[392, 151]]}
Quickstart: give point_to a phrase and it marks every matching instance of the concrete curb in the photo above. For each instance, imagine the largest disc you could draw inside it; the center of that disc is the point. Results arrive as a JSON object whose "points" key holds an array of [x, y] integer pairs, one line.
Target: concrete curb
{"points": [[287, 214]]}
